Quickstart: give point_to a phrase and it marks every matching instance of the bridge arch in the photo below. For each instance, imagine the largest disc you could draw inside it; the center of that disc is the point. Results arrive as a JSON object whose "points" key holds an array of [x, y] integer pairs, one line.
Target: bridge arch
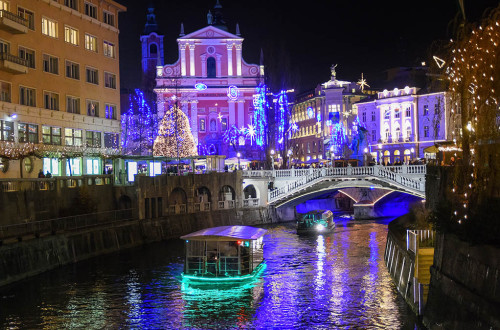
{"points": [[251, 191]]}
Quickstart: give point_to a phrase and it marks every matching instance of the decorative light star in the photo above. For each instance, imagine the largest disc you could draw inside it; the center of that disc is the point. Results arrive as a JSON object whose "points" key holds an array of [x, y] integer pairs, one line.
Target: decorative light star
{"points": [[250, 133], [219, 116], [439, 62], [362, 83]]}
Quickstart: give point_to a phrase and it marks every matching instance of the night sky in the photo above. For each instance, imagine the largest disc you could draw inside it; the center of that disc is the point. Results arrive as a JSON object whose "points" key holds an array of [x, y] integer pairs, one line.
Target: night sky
{"points": [[306, 39]]}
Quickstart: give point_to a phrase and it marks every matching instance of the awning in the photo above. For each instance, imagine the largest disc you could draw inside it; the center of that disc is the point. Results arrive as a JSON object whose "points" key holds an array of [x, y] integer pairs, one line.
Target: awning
{"points": [[226, 233], [431, 150]]}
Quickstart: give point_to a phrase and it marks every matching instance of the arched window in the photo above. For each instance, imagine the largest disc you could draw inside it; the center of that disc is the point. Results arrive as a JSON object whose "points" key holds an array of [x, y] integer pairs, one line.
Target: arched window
{"points": [[407, 156], [396, 156], [408, 133], [398, 133], [387, 157], [213, 125], [211, 67], [153, 50]]}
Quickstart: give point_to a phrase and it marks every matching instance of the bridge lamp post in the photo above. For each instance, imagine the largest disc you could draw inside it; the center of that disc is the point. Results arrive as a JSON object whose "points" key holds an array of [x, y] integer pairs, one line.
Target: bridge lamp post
{"points": [[332, 155], [289, 158], [272, 160], [238, 155], [365, 157], [412, 150], [379, 153]]}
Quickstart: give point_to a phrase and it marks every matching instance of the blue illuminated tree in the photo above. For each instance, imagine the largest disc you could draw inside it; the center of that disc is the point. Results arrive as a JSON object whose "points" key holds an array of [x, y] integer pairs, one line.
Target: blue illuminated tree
{"points": [[139, 126], [259, 116], [232, 136]]}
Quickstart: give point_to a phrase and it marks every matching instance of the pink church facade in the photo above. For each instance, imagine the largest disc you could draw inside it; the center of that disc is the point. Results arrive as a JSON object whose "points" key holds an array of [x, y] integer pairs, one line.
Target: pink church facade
{"points": [[213, 86]]}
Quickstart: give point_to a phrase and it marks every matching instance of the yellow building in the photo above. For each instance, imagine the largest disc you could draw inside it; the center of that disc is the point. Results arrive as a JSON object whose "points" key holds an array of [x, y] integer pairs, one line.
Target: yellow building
{"points": [[59, 85]]}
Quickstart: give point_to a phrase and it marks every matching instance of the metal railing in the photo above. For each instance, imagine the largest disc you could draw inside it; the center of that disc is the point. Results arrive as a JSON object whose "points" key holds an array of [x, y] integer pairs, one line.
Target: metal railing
{"points": [[57, 225], [416, 239], [15, 59]]}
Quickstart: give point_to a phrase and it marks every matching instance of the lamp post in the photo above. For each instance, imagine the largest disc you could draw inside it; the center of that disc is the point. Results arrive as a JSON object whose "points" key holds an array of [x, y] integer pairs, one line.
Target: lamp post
{"points": [[289, 158], [365, 157], [238, 155], [332, 155], [412, 150], [272, 160], [379, 153]]}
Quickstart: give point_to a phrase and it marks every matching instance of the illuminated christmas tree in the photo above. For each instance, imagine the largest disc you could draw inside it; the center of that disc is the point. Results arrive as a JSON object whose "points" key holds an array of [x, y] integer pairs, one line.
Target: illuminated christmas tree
{"points": [[139, 126], [174, 137]]}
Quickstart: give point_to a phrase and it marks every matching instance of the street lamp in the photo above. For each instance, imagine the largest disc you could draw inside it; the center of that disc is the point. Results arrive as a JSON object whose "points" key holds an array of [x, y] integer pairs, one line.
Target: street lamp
{"points": [[238, 155], [412, 150], [272, 160], [331, 155], [379, 153], [289, 158]]}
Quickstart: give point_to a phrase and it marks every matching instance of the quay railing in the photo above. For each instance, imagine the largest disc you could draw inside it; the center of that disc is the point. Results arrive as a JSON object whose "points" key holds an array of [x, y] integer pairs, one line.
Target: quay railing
{"points": [[416, 239], [54, 183], [63, 224]]}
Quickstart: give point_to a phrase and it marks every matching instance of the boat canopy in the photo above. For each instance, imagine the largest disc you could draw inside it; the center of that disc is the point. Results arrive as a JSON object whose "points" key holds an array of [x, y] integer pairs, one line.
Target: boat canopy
{"points": [[226, 233]]}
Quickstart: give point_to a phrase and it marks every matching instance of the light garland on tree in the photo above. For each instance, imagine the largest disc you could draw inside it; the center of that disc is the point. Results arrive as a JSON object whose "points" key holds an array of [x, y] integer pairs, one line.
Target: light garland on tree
{"points": [[139, 126], [174, 137], [259, 115]]}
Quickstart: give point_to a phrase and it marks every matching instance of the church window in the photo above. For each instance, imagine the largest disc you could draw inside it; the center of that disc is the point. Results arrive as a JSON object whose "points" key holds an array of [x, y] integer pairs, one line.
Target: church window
{"points": [[211, 67], [213, 125], [153, 50], [202, 125]]}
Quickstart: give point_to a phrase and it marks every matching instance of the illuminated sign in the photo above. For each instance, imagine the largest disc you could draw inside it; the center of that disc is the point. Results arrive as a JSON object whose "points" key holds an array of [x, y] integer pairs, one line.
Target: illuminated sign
{"points": [[200, 86], [232, 93]]}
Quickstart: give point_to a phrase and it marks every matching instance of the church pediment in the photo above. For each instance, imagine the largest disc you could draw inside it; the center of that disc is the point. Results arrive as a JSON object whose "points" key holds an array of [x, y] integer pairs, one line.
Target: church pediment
{"points": [[210, 32]]}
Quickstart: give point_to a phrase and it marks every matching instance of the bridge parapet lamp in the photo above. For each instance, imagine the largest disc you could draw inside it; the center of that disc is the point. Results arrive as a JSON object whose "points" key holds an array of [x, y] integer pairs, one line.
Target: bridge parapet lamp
{"points": [[272, 160]]}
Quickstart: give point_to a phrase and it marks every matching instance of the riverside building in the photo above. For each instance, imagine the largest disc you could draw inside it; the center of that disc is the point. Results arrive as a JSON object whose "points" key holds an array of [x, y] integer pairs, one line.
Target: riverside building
{"points": [[59, 81]]}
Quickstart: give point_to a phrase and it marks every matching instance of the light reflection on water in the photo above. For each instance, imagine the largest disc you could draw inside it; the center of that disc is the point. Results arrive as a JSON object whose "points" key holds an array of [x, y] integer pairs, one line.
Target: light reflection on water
{"points": [[331, 281]]}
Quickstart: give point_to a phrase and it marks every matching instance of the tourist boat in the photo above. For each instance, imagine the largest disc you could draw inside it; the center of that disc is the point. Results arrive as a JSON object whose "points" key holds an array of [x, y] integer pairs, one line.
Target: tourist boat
{"points": [[319, 221], [226, 254]]}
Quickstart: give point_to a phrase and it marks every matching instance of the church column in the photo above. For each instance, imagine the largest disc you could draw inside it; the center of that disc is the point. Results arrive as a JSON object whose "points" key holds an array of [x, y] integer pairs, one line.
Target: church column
{"points": [[219, 65], [241, 113], [203, 65], [229, 59], [183, 59], [184, 107], [194, 120], [232, 114], [238, 60], [191, 61]]}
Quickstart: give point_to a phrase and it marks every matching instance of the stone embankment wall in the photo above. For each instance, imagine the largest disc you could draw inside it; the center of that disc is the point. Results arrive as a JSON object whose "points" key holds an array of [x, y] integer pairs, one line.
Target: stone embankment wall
{"points": [[30, 257], [465, 286]]}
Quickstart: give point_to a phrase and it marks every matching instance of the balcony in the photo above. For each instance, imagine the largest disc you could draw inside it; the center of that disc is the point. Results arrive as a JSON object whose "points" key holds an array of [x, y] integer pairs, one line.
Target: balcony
{"points": [[13, 64], [13, 23]]}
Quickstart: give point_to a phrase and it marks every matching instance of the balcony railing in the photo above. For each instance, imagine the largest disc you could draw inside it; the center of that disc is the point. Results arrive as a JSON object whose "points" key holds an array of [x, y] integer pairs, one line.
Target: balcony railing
{"points": [[13, 23], [13, 64]]}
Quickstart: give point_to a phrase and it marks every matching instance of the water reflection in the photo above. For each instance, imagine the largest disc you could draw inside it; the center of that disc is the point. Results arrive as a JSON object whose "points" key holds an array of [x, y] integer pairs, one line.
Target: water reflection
{"points": [[337, 280]]}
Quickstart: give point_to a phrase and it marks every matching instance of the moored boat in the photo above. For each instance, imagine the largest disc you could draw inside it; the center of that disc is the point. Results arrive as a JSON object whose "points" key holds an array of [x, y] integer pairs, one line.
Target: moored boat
{"points": [[225, 254], [315, 222]]}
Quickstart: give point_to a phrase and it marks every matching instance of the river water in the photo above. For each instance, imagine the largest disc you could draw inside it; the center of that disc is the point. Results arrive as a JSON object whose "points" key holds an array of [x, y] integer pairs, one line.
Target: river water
{"points": [[333, 281]]}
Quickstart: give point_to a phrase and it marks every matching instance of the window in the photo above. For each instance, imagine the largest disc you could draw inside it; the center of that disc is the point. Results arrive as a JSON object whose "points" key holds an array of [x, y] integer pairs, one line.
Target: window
{"points": [[211, 67], [408, 112], [4, 5], [108, 18], [90, 43], [436, 109], [73, 4], [51, 135], [27, 96], [223, 124], [426, 110], [92, 108], [109, 49], [90, 10], [72, 104], [93, 139], [426, 131], [50, 64], [386, 134], [109, 80], [28, 55], [27, 15], [387, 114], [110, 111], [111, 140], [73, 137], [50, 100], [6, 130], [92, 76], [27, 133], [202, 125], [398, 133], [374, 135], [364, 116], [4, 91], [49, 27], [4, 46], [373, 115], [72, 70], [408, 132], [71, 35], [213, 126], [396, 113]]}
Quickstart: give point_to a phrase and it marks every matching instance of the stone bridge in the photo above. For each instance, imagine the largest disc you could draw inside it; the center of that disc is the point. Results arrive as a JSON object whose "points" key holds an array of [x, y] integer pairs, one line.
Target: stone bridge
{"points": [[364, 185]]}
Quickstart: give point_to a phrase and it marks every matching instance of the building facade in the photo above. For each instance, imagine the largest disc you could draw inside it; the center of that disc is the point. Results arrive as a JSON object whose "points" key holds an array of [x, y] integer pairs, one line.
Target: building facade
{"points": [[402, 123], [318, 114], [59, 77], [213, 85]]}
